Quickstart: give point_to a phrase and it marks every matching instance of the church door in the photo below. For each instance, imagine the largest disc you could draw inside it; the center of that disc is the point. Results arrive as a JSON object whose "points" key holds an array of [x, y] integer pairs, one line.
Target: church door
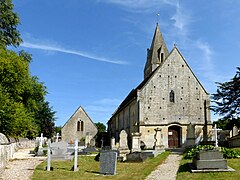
{"points": [[174, 137]]}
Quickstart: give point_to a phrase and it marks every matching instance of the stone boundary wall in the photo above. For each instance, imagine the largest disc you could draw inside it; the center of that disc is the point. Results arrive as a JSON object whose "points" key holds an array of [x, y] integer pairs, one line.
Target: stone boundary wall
{"points": [[8, 149]]}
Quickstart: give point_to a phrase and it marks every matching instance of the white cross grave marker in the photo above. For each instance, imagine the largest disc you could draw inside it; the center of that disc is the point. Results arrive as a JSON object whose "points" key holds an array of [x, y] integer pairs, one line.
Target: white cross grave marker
{"points": [[76, 155], [57, 137], [49, 155], [215, 130], [41, 141]]}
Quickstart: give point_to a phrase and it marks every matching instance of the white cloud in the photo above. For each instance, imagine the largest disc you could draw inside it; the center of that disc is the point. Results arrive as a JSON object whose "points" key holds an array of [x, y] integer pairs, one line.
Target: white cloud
{"points": [[207, 53], [141, 5], [50, 47], [181, 18]]}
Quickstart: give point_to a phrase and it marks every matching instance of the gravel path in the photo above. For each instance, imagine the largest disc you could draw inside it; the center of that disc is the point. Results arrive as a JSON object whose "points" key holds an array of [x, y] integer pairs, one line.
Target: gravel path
{"points": [[167, 170], [22, 166]]}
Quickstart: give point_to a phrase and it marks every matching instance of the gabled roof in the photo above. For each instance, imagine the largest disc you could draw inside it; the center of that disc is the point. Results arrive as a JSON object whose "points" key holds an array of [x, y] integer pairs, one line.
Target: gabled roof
{"points": [[133, 94], [79, 109]]}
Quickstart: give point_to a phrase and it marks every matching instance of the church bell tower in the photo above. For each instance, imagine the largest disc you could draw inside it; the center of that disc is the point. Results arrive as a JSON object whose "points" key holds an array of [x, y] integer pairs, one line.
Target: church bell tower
{"points": [[156, 54]]}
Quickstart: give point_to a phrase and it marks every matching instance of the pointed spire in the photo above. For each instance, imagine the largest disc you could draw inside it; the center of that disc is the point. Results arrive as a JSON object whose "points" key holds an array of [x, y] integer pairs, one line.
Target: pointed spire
{"points": [[157, 52]]}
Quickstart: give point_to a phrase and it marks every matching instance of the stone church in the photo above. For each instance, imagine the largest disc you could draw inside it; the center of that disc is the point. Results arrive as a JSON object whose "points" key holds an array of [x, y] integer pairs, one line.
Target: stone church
{"points": [[170, 106], [79, 126]]}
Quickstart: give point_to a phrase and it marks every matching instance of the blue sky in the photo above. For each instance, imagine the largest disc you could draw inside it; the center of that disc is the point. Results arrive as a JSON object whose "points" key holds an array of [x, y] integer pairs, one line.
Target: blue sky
{"points": [[92, 52]]}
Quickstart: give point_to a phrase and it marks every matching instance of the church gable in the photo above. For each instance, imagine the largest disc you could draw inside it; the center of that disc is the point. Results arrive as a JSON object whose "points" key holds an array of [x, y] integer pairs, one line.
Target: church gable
{"points": [[172, 94], [78, 126], [168, 99]]}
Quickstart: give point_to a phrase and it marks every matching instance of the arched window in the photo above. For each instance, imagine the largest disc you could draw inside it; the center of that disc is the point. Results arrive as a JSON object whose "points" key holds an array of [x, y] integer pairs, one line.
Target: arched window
{"points": [[162, 57], [171, 96], [78, 126]]}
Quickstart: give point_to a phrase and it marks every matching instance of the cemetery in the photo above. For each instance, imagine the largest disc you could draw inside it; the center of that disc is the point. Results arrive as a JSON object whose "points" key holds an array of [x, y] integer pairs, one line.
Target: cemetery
{"points": [[117, 161], [162, 129]]}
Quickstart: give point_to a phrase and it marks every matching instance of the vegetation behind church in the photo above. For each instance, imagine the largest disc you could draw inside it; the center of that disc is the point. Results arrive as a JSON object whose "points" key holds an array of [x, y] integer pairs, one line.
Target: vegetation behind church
{"points": [[227, 102], [24, 112]]}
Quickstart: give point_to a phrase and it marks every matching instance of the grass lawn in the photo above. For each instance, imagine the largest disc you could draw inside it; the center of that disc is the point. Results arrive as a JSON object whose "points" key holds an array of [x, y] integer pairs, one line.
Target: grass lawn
{"points": [[90, 169], [184, 172]]}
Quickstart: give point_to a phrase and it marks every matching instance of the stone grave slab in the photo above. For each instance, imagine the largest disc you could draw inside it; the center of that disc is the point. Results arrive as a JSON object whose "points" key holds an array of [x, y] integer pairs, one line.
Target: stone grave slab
{"points": [[209, 161], [108, 162], [60, 151]]}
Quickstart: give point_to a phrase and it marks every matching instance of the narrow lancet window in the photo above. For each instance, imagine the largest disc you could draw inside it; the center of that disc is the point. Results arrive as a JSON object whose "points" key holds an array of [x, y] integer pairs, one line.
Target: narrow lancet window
{"points": [[78, 126], [82, 125], [171, 96]]}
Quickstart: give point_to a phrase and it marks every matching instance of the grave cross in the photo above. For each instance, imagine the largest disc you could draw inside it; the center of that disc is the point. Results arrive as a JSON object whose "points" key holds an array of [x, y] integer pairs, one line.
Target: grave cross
{"points": [[76, 156], [57, 137], [49, 155], [41, 141], [215, 130]]}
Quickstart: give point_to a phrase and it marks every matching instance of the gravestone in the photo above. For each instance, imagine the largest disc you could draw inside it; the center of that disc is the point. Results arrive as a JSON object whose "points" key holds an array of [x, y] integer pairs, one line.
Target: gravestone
{"points": [[57, 137], [123, 145], [60, 151], [209, 159], [88, 139], [40, 147], [123, 140], [235, 131], [113, 146], [92, 142], [215, 130], [3, 139], [190, 135], [136, 142], [108, 162], [158, 145]]}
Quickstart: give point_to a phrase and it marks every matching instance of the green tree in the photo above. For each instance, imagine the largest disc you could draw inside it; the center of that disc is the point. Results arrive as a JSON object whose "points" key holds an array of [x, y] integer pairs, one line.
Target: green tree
{"points": [[15, 119], [227, 98], [24, 112], [227, 124], [9, 35], [23, 109], [101, 127]]}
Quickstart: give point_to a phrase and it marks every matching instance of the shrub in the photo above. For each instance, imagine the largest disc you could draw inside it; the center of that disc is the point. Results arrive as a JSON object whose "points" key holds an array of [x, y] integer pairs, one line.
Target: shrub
{"points": [[191, 152], [230, 153], [227, 152]]}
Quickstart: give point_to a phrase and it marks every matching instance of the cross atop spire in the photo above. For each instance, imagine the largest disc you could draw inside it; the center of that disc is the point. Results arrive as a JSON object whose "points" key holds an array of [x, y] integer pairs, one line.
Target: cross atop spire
{"points": [[158, 17]]}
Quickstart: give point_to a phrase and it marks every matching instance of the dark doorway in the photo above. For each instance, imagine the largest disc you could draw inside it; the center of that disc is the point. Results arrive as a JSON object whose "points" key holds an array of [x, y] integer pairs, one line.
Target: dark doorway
{"points": [[174, 136]]}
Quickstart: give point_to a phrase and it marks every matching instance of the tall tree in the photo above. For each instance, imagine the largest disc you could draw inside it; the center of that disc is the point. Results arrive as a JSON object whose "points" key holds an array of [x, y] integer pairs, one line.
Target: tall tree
{"points": [[24, 112], [15, 119], [9, 35], [227, 98]]}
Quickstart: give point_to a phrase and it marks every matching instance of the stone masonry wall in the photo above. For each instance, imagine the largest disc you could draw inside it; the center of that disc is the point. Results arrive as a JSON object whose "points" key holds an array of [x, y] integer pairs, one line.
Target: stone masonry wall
{"points": [[189, 95], [8, 149], [69, 131]]}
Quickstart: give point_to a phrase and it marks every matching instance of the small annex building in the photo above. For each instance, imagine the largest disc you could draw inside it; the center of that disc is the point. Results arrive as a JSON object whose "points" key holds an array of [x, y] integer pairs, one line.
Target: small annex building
{"points": [[169, 100], [79, 126]]}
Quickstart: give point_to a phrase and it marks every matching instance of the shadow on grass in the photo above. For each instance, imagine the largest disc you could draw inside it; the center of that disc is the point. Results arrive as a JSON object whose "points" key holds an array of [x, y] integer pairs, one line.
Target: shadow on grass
{"points": [[184, 168], [95, 172]]}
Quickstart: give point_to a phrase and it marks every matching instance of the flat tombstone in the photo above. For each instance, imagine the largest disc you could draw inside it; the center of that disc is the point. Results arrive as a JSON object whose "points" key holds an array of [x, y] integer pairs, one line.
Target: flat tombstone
{"points": [[59, 150], [108, 162], [62, 146]]}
